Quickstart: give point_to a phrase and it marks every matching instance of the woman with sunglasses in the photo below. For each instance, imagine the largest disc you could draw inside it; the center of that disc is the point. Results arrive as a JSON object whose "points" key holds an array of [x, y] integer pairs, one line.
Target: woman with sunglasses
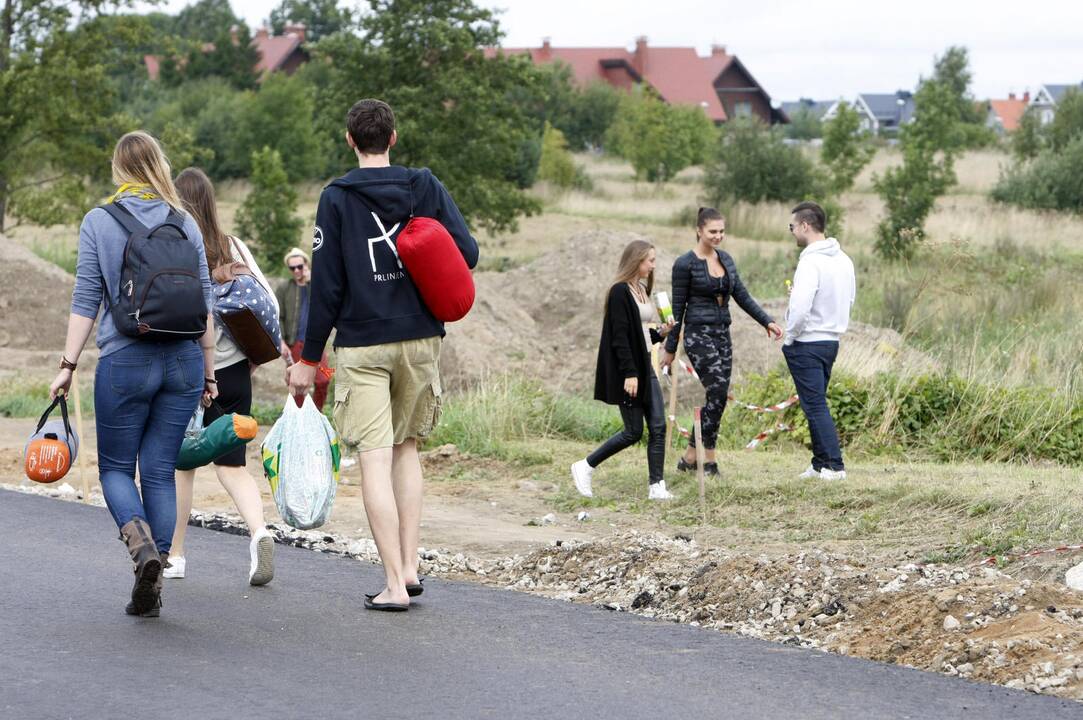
{"points": [[704, 280]]}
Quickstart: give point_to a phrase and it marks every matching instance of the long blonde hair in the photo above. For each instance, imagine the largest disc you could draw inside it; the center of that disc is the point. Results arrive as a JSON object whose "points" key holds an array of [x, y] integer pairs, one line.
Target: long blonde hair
{"points": [[197, 194], [138, 159], [634, 253]]}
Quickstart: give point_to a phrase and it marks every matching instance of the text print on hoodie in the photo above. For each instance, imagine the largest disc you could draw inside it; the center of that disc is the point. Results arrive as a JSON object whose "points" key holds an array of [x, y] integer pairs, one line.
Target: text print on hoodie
{"points": [[359, 286], [824, 289]]}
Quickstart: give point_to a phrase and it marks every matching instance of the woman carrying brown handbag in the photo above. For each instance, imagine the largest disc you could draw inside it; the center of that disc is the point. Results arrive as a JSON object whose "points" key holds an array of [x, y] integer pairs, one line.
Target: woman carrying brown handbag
{"points": [[234, 374]]}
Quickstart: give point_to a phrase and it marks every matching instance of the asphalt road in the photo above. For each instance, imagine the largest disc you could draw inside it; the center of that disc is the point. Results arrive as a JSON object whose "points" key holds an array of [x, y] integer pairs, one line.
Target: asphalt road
{"points": [[303, 647]]}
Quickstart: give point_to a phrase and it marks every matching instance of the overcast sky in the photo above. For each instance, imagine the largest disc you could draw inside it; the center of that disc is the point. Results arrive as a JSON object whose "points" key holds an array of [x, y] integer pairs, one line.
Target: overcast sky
{"points": [[824, 49]]}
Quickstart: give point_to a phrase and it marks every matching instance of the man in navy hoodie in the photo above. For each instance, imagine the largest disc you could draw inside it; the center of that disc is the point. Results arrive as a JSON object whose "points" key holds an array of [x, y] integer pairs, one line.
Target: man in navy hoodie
{"points": [[387, 343]]}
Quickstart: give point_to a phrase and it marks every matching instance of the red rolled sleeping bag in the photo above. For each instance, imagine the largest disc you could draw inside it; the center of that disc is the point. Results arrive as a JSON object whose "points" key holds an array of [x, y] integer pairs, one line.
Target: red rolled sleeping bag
{"points": [[430, 255]]}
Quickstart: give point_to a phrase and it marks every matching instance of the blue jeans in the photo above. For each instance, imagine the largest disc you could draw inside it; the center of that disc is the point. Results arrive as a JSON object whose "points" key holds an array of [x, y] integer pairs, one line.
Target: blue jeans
{"points": [[144, 395], [810, 365]]}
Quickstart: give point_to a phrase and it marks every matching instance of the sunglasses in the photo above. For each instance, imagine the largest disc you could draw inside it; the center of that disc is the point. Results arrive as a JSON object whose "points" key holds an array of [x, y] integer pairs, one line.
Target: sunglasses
{"points": [[296, 267]]}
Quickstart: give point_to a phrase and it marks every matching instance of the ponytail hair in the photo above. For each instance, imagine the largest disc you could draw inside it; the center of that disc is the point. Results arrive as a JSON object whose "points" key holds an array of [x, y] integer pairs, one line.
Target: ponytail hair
{"points": [[706, 215], [138, 159]]}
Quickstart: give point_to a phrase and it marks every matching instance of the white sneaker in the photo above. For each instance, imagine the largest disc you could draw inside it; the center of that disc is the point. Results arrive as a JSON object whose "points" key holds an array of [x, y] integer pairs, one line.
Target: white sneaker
{"points": [[581, 475], [262, 551], [1074, 577], [827, 474], [174, 568], [810, 473], [658, 491]]}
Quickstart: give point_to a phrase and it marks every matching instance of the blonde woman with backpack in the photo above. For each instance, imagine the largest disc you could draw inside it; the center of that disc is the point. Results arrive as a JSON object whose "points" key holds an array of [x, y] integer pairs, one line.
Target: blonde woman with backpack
{"points": [[234, 374], [142, 274]]}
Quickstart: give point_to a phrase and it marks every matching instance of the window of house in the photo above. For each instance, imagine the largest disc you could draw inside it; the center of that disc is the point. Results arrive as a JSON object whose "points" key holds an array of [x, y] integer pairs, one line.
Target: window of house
{"points": [[742, 109]]}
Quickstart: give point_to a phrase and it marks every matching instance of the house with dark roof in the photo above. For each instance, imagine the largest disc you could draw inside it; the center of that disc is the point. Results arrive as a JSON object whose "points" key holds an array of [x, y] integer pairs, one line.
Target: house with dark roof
{"points": [[719, 83], [881, 113], [1045, 100], [816, 108], [277, 53], [1003, 116]]}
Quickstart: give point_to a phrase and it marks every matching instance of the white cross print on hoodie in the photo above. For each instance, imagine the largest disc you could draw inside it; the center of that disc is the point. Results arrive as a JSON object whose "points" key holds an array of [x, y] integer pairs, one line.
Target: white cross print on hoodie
{"points": [[824, 290]]}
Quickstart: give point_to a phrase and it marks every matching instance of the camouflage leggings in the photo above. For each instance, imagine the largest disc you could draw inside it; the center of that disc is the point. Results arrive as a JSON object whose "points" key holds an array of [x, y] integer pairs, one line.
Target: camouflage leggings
{"points": [[711, 352]]}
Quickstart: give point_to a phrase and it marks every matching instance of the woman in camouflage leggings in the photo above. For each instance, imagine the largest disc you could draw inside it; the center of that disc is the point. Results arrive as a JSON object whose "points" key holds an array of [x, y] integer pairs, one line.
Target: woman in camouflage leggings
{"points": [[704, 279]]}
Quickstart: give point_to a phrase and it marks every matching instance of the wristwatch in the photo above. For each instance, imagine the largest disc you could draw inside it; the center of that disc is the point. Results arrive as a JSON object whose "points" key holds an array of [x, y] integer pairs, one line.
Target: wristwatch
{"points": [[66, 364]]}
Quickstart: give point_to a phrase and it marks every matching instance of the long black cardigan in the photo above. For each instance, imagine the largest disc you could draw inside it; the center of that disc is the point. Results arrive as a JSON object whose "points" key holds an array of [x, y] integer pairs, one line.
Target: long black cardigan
{"points": [[622, 351]]}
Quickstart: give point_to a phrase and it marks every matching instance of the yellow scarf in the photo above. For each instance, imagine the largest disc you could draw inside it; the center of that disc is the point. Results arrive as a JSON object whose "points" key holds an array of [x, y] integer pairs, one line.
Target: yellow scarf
{"points": [[143, 191]]}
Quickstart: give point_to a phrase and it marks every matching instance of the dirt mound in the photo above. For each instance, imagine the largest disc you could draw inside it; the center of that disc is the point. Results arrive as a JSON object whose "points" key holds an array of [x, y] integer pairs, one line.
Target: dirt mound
{"points": [[977, 623], [35, 301], [543, 319]]}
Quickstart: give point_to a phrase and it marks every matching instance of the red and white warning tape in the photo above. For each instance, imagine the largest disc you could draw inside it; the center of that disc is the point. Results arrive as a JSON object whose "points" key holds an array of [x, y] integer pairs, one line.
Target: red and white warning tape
{"points": [[755, 442], [992, 559]]}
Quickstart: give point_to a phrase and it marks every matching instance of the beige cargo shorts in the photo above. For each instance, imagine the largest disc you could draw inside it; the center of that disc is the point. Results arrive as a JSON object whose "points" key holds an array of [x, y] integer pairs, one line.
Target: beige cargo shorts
{"points": [[387, 394]]}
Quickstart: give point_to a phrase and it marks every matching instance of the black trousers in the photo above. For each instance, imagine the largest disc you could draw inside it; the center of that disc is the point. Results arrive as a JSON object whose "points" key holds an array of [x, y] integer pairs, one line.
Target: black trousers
{"points": [[654, 411]]}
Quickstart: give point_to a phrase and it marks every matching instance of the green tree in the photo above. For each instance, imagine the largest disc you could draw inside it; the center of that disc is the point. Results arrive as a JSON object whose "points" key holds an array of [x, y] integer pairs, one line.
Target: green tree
{"points": [[844, 152], [320, 17], [929, 147], [557, 166], [1030, 137], [454, 106], [203, 21], [1068, 120], [267, 214], [281, 115], [753, 164], [57, 124], [231, 55], [1051, 181], [658, 139]]}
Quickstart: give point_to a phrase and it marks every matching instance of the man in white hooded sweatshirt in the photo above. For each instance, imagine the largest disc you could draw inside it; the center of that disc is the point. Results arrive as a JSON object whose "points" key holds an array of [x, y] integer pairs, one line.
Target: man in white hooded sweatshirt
{"points": [[824, 288]]}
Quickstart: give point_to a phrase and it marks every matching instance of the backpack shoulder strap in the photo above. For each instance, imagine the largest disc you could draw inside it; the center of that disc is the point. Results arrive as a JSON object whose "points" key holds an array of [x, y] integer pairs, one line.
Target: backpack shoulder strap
{"points": [[124, 216]]}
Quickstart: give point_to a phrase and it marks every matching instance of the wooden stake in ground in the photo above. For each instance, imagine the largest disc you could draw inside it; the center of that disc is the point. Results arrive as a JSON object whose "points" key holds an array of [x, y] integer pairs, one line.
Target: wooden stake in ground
{"points": [[701, 460], [672, 424], [82, 438]]}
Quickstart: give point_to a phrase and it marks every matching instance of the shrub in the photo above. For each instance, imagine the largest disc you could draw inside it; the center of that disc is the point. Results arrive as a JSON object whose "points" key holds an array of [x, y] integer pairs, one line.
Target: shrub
{"points": [[556, 165], [754, 164], [1052, 181]]}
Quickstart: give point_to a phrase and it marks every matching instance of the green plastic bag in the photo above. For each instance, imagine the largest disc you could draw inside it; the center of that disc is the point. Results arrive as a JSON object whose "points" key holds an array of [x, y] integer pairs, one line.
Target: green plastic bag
{"points": [[228, 432]]}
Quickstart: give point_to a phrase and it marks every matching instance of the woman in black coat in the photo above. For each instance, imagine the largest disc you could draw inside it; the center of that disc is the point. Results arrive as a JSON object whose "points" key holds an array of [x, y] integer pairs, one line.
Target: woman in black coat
{"points": [[625, 376], [704, 280]]}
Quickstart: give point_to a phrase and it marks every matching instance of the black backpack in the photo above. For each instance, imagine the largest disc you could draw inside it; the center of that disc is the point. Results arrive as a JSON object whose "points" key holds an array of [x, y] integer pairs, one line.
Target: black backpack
{"points": [[161, 294]]}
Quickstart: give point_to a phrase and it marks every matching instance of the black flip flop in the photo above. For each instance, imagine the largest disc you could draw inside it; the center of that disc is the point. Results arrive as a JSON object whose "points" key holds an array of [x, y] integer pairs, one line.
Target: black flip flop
{"points": [[413, 590], [387, 607]]}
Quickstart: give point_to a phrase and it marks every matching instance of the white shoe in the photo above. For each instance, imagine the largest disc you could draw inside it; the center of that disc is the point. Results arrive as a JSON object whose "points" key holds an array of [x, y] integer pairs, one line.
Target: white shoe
{"points": [[581, 475], [1074, 577], [827, 474], [658, 491], [174, 568], [810, 473], [262, 550]]}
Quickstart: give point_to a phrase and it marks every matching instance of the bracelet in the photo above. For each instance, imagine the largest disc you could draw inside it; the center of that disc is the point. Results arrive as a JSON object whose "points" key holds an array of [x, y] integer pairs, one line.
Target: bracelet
{"points": [[66, 364], [308, 362], [210, 381]]}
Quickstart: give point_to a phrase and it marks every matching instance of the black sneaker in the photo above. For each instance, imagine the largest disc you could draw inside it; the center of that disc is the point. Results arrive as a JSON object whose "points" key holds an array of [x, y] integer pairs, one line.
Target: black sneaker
{"points": [[711, 468], [683, 466]]}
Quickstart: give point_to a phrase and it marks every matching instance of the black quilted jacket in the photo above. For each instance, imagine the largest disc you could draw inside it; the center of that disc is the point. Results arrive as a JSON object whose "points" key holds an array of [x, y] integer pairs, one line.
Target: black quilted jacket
{"points": [[696, 295]]}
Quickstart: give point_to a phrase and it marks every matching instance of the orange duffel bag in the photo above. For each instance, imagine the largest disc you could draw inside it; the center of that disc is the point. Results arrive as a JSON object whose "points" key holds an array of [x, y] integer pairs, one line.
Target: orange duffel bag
{"points": [[52, 449]]}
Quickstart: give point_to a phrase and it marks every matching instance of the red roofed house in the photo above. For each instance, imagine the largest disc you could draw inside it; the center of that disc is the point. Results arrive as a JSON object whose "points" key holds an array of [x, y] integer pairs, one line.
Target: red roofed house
{"points": [[280, 53], [718, 83], [277, 53], [1004, 115]]}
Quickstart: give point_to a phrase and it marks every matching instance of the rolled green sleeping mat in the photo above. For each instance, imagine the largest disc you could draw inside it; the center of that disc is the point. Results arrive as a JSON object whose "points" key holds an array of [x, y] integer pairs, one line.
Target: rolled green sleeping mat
{"points": [[228, 432]]}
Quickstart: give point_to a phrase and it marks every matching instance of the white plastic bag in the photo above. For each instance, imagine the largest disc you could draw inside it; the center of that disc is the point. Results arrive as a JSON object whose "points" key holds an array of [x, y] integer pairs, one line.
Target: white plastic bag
{"points": [[301, 460]]}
